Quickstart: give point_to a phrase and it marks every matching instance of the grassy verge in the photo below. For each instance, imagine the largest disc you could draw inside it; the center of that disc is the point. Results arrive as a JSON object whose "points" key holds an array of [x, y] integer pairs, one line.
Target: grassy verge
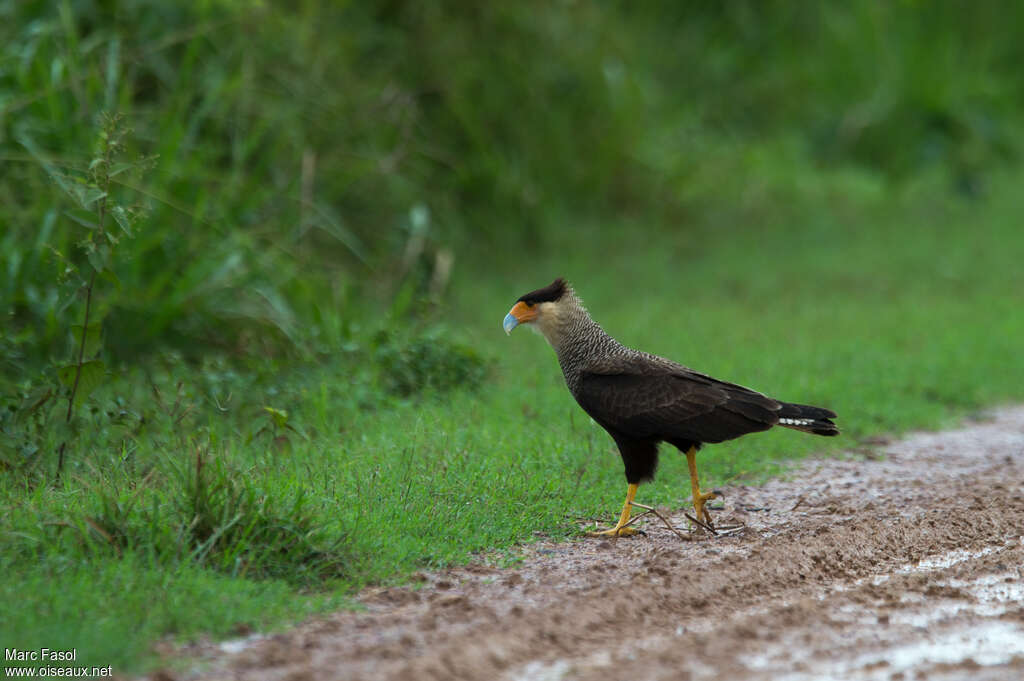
{"points": [[111, 612], [896, 311]]}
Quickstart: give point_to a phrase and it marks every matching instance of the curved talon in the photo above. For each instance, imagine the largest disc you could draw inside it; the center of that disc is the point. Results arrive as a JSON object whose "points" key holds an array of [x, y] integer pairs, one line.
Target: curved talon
{"points": [[703, 512], [617, 532], [621, 528]]}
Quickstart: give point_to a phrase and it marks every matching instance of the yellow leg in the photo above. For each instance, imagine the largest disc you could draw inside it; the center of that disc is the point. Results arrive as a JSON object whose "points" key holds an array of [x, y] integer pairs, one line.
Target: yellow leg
{"points": [[620, 529], [698, 497]]}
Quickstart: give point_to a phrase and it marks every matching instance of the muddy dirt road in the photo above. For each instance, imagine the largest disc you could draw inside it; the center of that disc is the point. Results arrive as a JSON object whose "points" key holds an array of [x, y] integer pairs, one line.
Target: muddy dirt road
{"points": [[908, 566]]}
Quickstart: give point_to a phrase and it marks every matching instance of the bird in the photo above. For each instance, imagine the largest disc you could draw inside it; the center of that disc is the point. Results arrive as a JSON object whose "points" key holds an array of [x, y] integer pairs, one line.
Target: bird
{"points": [[643, 400]]}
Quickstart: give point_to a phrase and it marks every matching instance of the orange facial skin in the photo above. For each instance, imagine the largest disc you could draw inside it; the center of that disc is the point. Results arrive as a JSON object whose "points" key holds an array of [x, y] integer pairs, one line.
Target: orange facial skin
{"points": [[519, 314]]}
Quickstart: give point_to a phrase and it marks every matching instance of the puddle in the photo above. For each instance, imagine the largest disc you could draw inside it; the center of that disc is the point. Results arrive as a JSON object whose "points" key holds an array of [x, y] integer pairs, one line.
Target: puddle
{"points": [[989, 596], [933, 563], [1002, 588], [946, 560], [237, 645], [946, 629], [543, 671], [988, 643]]}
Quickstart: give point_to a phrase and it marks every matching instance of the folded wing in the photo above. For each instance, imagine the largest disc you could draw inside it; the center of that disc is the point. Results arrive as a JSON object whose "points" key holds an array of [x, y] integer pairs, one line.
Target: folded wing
{"points": [[673, 404]]}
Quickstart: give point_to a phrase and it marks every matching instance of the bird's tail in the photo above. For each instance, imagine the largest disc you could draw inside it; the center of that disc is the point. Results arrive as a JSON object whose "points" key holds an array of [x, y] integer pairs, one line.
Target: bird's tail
{"points": [[808, 419]]}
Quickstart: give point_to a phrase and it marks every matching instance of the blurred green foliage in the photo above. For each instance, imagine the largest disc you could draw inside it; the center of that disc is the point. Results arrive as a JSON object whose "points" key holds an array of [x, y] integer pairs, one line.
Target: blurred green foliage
{"points": [[427, 362], [297, 142]]}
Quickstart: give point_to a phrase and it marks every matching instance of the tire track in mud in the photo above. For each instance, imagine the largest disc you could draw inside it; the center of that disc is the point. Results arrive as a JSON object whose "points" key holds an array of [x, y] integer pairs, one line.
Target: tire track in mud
{"points": [[901, 568]]}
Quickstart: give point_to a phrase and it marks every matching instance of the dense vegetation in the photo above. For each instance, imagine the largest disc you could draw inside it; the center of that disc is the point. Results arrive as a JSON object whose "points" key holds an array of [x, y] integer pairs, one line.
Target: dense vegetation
{"points": [[255, 258]]}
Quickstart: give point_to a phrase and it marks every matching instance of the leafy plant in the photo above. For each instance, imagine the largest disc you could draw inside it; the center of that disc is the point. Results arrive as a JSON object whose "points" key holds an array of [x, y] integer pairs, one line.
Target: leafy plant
{"points": [[277, 426], [90, 190], [228, 523], [427, 362]]}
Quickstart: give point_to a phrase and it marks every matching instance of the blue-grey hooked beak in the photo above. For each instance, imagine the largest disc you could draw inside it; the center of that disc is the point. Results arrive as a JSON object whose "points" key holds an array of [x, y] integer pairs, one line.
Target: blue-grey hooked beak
{"points": [[510, 323]]}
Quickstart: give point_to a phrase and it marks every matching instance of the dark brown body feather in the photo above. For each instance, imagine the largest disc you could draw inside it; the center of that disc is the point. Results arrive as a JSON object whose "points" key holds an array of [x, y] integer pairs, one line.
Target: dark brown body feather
{"points": [[682, 407], [642, 399], [675, 406]]}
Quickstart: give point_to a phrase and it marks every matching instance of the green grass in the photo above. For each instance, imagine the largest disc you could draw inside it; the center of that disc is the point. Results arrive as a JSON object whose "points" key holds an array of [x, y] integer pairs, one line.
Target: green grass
{"points": [[111, 612]]}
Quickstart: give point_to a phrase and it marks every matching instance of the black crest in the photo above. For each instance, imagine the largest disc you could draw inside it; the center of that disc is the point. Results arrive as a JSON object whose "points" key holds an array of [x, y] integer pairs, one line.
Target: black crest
{"points": [[549, 294]]}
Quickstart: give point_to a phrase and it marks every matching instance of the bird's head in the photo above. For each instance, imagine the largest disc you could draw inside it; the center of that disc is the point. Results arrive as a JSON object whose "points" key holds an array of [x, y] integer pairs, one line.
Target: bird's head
{"points": [[541, 308]]}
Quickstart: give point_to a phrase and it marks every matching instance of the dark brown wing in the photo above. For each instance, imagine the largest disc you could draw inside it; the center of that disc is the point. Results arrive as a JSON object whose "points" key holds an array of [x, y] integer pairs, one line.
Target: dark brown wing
{"points": [[674, 404]]}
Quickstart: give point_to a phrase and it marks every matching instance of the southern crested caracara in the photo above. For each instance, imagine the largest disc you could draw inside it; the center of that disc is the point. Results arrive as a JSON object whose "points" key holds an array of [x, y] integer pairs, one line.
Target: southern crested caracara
{"points": [[642, 399]]}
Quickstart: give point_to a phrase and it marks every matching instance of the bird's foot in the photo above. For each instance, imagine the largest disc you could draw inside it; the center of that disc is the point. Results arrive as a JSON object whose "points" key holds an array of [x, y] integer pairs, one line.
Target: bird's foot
{"points": [[622, 528], [706, 496], [616, 532], [702, 512]]}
